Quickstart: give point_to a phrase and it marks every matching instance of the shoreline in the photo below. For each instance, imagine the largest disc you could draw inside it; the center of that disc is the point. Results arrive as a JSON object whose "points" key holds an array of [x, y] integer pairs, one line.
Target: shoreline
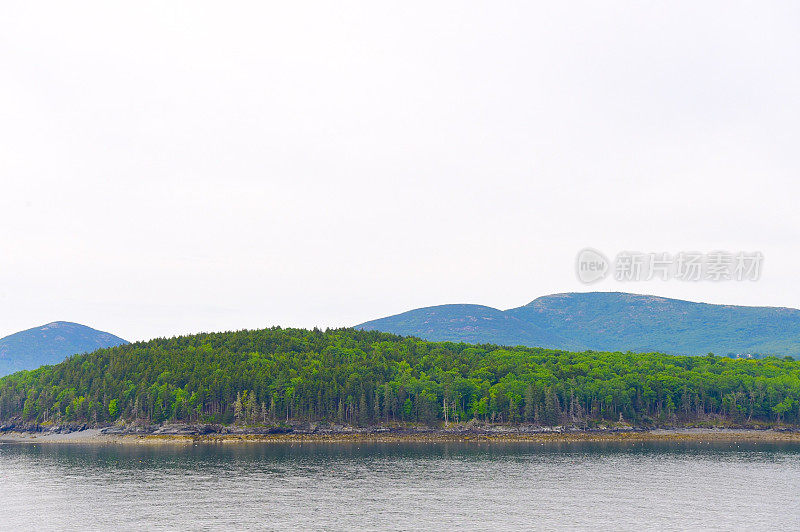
{"points": [[699, 435]]}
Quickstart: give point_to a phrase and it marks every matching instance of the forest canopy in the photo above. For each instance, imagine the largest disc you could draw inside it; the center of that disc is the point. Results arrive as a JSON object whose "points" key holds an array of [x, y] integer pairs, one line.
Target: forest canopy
{"points": [[280, 375]]}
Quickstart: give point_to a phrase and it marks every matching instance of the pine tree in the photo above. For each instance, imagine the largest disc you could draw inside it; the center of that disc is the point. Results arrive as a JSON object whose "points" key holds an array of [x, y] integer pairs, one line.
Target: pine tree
{"points": [[388, 401], [552, 408], [529, 404], [362, 410], [237, 407]]}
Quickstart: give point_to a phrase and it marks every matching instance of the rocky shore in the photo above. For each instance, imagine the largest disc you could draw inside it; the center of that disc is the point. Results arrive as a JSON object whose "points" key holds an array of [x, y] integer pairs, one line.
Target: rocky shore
{"points": [[333, 433]]}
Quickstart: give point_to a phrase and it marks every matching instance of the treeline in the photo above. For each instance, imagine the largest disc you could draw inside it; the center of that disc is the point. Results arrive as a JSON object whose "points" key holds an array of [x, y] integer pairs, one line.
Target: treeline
{"points": [[365, 377]]}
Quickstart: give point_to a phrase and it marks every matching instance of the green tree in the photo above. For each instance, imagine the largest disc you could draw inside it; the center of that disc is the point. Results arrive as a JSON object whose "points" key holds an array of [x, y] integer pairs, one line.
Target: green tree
{"points": [[113, 408]]}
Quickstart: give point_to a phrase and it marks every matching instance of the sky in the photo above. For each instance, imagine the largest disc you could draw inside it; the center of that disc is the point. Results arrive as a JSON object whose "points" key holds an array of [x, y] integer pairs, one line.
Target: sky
{"points": [[176, 167]]}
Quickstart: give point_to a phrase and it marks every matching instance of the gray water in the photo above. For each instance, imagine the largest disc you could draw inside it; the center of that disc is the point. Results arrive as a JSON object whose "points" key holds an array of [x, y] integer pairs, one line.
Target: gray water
{"points": [[400, 486]]}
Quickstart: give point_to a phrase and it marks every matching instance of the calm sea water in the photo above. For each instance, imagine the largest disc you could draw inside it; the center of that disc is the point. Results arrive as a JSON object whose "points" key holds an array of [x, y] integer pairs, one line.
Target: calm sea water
{"points": [[400, 486]]}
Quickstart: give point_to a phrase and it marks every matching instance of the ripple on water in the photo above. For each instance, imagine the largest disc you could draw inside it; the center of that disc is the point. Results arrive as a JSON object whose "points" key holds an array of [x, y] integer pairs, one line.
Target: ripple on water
{"points": [[335, 486]]}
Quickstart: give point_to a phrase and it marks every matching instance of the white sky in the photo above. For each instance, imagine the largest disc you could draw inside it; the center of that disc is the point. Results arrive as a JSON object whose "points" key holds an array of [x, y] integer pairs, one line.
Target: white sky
{"points": [[176, 167]]}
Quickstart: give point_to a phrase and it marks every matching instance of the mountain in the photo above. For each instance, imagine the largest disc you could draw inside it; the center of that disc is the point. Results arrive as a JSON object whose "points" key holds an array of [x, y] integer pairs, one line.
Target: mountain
{"points": [[611, 321], [473, 324], [50, 344]]}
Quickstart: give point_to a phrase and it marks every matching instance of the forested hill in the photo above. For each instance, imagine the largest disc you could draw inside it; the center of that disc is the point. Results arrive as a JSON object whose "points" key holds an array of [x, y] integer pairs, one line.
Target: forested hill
{"points": [[364, 377], [609, 321]]}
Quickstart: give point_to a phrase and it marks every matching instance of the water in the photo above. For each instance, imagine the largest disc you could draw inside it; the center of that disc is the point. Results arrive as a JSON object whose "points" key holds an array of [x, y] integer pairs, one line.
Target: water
{"points": [[495, 486]]}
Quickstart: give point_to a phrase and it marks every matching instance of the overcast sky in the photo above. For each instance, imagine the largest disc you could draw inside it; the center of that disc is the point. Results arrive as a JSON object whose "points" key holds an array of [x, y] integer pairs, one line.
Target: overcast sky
{"points": [[177, 167]]}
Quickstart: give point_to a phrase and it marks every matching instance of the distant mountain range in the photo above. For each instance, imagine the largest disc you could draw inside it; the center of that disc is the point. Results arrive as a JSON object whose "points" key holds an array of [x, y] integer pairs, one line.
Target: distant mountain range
{"points": [[609, 321], [601, 321], [50, 344]]}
